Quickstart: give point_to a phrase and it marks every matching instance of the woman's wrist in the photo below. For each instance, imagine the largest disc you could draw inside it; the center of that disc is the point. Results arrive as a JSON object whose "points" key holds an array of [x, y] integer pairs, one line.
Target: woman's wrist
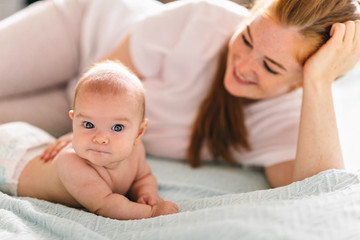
{"points": [[317, 84]]}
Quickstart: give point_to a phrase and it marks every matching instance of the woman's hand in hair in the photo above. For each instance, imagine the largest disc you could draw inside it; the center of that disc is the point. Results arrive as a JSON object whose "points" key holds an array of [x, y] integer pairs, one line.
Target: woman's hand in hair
{"points": [[337, 56]]}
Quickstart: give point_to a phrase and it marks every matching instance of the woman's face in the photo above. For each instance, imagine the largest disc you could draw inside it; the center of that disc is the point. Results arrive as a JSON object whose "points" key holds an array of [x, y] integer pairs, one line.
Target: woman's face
{"points": [[262, 61]]}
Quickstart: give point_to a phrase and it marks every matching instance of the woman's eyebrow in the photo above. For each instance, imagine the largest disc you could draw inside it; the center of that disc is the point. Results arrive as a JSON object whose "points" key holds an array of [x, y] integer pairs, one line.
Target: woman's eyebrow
{"points": [[249, 33], [276, 63], [267, 58]]}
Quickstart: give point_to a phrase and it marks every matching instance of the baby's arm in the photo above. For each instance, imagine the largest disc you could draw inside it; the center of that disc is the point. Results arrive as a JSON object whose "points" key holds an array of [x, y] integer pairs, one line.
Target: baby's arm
{"points": [[145, 189], [83, 182]]}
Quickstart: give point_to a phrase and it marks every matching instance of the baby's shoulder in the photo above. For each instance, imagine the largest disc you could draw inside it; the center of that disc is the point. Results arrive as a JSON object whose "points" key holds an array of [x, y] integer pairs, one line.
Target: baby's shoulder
{"points": [[68, 158]]}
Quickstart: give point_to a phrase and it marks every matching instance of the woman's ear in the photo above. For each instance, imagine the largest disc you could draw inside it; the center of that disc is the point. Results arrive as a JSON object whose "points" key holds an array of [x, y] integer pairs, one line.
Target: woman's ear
{"points": [[141, 131], [71, 114]]}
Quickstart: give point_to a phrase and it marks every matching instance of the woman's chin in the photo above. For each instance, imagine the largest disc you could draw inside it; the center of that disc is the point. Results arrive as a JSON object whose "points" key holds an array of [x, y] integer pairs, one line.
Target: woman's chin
{"points": [[234, 89]]}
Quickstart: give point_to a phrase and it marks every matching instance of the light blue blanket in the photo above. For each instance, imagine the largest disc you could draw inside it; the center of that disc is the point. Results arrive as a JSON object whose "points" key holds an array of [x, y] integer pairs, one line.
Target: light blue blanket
{"points": [[216, 202]]}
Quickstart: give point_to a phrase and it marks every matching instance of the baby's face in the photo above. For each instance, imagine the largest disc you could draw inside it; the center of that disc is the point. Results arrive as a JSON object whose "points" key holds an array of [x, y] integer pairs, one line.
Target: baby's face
{"points": [[105, 127]]}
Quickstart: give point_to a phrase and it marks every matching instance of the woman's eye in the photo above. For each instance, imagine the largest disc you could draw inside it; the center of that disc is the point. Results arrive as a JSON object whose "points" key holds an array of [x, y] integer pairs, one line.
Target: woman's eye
{"points": [[117, 127], [88, 125], [269, 69], [247, 43]]}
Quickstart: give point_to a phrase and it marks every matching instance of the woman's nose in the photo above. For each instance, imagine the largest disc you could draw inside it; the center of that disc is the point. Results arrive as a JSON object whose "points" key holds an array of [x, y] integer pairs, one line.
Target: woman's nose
{"points": [[246, 67]]}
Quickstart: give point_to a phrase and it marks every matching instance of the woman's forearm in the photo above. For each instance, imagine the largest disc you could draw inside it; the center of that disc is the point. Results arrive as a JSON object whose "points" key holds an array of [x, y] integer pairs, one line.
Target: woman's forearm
{"points": [[318, 144]]}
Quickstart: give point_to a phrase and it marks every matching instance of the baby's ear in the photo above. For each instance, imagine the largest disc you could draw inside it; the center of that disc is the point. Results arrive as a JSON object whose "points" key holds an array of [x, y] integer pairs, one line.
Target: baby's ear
{"points": [[142, 128], [71, 114]]}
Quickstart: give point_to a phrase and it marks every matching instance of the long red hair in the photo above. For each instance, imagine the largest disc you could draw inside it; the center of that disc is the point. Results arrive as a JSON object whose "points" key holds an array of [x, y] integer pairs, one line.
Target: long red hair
{"points": [[220, 123]]}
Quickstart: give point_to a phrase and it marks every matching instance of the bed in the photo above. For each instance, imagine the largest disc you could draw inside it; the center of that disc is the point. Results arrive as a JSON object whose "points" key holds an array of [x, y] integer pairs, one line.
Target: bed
{"points": [[216, 202], [219, 201]]}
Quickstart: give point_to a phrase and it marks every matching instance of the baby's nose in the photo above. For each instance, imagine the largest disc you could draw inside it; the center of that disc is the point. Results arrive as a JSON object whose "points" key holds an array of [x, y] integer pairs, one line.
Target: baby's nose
{"points": [[100, 140]]}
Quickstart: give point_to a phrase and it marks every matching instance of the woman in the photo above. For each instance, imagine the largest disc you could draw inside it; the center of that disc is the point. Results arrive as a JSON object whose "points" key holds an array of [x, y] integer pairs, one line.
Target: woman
{"points": [[249, 114]]}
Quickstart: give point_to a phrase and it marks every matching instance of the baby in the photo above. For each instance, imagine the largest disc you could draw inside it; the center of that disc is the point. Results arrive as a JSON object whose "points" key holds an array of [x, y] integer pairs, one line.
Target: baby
{"points": [[105, 161]]}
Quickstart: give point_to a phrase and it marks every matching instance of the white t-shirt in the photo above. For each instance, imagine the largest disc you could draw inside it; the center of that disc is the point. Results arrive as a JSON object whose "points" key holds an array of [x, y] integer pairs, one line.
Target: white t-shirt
{"points": [[176, 51]]}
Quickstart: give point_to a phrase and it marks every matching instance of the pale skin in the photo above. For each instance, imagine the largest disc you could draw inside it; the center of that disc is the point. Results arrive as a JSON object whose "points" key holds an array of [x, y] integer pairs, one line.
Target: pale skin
{"points": [[262, 63], [102, 165]]}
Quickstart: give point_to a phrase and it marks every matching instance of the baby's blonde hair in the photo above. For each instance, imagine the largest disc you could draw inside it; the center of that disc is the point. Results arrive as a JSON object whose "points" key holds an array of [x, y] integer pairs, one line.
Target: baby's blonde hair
{"points": [[111, 77]]}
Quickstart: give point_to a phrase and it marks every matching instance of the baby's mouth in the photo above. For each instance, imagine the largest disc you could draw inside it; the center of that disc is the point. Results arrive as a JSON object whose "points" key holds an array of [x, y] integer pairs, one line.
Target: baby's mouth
{"points": [[98, 151]]}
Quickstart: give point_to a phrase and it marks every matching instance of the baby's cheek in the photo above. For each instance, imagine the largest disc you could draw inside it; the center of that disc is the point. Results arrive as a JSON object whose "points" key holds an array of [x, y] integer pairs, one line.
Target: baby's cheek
{"points": [[79, 149]]}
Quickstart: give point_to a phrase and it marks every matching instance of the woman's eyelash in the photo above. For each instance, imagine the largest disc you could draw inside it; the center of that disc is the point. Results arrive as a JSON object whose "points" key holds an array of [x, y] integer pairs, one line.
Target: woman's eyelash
{"points": [[247, 43], [269, 69]]}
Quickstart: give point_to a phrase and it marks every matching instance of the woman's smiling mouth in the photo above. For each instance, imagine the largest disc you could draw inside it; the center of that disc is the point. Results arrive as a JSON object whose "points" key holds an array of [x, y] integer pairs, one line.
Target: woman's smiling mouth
{"points": [[240, 79]]}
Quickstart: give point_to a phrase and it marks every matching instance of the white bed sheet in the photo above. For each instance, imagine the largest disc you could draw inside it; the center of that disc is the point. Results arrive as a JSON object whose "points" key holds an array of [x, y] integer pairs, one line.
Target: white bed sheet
{"points": [[216, 202]]}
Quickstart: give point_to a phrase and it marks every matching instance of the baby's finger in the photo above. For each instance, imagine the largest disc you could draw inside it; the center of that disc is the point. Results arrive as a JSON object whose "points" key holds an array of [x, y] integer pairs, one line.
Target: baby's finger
{"points": [[154, 201], [141, 200]]}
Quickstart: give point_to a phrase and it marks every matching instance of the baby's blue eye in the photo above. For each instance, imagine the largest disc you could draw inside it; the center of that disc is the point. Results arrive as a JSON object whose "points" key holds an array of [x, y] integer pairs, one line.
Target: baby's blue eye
{"points": [[117, 127], [88, 125]]}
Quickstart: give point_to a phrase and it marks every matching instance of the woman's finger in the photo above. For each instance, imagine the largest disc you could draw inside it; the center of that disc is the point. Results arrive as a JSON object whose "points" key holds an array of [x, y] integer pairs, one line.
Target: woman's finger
{"points": [[51, 151], [46, 153], [57, 148], [337, 31], [357, 32], [60, 145], [349, 32]]}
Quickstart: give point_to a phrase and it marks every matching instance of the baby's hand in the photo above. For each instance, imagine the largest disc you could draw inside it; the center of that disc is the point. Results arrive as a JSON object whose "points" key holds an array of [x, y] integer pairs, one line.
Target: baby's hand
{"points": [[164, 208], [150, 199], [54, 148]]}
